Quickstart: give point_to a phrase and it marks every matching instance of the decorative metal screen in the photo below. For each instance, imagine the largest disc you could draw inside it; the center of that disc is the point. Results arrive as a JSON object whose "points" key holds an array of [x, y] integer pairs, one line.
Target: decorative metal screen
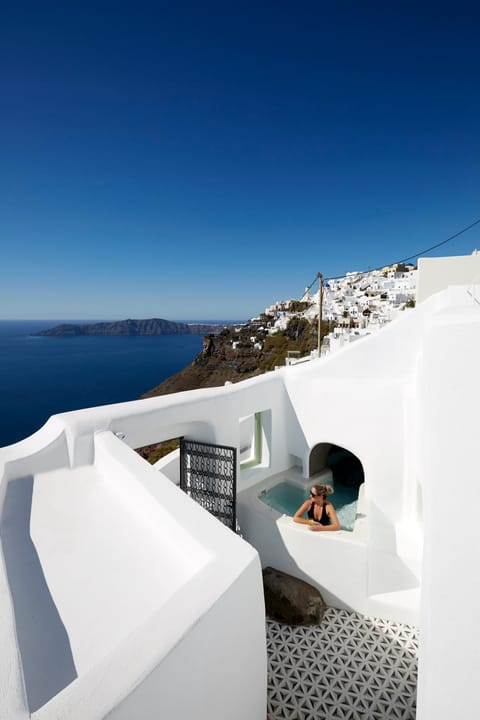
{"points": [[208, 474]]}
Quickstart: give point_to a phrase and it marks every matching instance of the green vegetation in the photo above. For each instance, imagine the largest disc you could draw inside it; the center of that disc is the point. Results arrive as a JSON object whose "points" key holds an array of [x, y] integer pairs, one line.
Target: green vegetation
{"points": [[152, 453], [298, 306]]}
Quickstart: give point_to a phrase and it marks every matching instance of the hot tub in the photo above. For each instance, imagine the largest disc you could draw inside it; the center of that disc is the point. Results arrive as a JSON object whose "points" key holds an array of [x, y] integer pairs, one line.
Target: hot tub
{"points": [[335, 562], [287, 496]]}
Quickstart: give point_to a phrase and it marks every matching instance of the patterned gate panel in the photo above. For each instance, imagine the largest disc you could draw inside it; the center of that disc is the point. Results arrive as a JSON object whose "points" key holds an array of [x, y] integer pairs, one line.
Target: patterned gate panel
{"points": [[208, 473]]}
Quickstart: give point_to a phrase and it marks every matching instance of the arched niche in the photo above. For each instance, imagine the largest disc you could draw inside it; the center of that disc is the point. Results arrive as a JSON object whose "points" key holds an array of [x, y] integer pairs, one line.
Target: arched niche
{"points": [[346, 467]]}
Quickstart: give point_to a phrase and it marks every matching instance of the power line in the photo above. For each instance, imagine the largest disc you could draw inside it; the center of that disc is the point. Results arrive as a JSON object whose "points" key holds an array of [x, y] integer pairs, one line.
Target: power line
{"points": [[410, 257]]}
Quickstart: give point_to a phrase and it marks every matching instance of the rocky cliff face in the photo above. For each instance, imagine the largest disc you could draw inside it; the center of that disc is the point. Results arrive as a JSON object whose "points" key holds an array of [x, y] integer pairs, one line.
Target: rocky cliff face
{"points": [[236, 354], [213, 366]]}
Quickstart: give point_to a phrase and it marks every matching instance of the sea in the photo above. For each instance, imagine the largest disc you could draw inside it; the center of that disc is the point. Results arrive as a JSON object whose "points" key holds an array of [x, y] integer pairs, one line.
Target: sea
{"points": [[42, 376]]}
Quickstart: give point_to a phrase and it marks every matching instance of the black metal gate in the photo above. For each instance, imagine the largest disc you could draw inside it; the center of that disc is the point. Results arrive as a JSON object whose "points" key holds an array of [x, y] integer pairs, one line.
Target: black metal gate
{"points": [[208, 473]]}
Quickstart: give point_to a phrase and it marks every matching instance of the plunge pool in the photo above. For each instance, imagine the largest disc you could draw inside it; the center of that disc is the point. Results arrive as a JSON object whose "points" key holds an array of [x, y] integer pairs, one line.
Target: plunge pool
{"points": [[286, 497]]}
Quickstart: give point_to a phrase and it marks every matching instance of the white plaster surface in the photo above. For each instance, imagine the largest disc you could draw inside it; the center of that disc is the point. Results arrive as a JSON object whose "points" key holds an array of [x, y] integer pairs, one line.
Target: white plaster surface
{"points": [[119, 569], [449, 660], [404, 401], [218, 664], [96, 552], [435, 274]]}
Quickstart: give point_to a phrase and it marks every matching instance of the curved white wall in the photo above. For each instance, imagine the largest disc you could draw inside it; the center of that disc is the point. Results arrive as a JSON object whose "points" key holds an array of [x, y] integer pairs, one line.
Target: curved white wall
{"points": [[112, 572], [449, 399], [405, 401]]}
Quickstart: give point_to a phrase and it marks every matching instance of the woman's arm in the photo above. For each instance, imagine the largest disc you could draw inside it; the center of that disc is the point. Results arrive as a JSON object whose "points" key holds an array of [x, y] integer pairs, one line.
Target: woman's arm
{"points": [[334, 521], [301, 510]]}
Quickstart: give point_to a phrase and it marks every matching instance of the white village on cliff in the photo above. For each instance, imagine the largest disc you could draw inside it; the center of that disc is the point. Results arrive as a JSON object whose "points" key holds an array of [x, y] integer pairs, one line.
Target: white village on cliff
{"points": [[131, 591], [357, 305]]}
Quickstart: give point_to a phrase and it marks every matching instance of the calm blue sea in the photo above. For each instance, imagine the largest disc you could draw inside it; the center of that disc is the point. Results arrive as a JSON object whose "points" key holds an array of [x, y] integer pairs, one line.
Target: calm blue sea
{"points": [[41, 376]]}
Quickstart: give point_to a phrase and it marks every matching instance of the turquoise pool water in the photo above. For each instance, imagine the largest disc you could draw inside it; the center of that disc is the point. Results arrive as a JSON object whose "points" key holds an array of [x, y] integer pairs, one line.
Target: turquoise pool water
{"points": [[286, 497]]}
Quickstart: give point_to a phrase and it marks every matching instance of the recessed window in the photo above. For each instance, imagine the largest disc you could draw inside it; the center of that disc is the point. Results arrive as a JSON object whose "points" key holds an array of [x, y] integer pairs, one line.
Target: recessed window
{"points": [[254, 439]]}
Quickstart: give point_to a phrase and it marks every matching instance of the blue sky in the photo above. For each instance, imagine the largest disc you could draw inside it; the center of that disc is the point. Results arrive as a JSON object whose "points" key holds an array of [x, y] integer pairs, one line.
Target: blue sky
{"points": [[202, 160]]}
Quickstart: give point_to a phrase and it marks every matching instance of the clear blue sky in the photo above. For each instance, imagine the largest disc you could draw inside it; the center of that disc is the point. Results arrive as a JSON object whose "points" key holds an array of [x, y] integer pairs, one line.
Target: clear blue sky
{"points": [[194, 160]]}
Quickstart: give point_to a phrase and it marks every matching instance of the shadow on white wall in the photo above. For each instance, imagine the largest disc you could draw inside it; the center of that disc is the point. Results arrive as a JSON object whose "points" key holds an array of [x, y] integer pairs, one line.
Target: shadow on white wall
{"points": [[44, 645]]}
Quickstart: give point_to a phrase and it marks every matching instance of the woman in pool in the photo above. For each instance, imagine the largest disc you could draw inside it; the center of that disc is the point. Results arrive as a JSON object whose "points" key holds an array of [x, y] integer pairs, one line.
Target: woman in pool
{"points": [[321, 514]]}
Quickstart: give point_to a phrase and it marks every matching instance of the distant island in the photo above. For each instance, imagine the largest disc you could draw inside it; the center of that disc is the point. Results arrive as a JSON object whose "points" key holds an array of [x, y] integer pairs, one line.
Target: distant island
{"points": [[153, 326]]}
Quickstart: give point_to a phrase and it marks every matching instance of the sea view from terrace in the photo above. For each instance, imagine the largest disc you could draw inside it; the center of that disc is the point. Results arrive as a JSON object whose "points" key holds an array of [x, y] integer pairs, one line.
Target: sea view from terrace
{"points": [[42, 376]]}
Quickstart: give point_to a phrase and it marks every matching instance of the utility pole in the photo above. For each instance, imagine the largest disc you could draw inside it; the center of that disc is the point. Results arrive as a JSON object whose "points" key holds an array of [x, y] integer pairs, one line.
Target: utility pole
{"points": [[320, 301]]}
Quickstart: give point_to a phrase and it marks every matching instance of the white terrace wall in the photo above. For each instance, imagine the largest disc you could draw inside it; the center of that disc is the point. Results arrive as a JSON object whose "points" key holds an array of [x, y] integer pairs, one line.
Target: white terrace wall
{"points": [[210, 415], [436, 274], [449, 402], [405, 402], [107, 548], [216, 670], [208, 629]]}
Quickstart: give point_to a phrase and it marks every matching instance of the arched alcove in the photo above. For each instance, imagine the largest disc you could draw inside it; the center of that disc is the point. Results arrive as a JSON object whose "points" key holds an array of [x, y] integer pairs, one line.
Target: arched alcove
{"points": [[346, 467]]}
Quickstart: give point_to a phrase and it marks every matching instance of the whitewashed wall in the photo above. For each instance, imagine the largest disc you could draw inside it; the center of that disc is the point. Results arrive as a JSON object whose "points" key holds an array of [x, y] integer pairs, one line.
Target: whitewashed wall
{"points": [[113, 580], [449, 400], [404, 401], [436, 274]]}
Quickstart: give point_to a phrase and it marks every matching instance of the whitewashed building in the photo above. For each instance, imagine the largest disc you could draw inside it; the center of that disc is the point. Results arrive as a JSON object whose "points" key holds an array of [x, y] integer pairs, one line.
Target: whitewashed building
{"points": [[120, 597]]}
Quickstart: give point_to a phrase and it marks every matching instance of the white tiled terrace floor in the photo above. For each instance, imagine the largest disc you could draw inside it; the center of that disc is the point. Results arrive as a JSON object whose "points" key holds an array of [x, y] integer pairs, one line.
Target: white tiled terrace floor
{"points": [[347, 668]]}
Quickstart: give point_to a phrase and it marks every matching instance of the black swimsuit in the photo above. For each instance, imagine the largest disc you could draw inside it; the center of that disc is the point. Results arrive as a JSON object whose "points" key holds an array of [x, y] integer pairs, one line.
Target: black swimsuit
{"points": [[324, 518]]}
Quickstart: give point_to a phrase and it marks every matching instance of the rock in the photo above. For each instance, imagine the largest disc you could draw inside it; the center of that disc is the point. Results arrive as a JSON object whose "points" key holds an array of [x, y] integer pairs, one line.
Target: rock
{"points": [[151, 326], [290, 600]]}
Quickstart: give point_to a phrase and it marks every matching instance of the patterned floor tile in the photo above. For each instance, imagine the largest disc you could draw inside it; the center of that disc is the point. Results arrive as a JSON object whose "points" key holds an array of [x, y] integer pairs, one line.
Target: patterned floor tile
{"points": [[347, 668]]}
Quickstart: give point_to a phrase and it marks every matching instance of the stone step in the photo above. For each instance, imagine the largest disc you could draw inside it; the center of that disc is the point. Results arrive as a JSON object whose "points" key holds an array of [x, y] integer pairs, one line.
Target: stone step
{"points": [[401, 606]]}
